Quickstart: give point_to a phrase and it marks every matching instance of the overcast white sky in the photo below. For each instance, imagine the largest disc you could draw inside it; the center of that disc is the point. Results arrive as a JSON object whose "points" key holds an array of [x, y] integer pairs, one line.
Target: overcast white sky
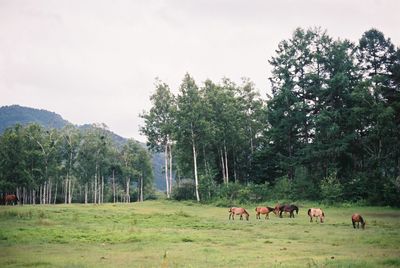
{"points": [[96, 61]]}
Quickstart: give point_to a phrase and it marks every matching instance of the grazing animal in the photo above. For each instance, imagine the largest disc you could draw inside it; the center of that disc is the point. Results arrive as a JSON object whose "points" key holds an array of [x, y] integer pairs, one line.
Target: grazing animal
{"points": [[10, 198], [356, 218], [286, 208], [263, 210], [317, 213], [238, 211]]}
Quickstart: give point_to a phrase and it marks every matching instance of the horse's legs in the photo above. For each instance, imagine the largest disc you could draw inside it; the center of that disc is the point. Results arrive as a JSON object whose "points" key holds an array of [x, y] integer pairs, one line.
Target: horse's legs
{"points": [[310, 219], [241, 217], [354, 224], [280, 214]]}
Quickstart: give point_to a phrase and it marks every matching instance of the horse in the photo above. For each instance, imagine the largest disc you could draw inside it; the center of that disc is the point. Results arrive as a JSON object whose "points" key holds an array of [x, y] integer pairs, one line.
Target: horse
{"points": [[317, 213], [10, 198], [238, 211], [356, 218], [263, 210], [286, 208]]}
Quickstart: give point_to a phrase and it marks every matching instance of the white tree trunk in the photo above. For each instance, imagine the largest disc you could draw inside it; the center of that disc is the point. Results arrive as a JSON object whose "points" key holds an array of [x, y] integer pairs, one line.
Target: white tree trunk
{"points": [[113, 184], [226, 165], [66, 190], [95, 187], [170, 169], [102, 189], [223, 167], [55, 194], [128, 197], [166, 169], [86, 193], [196, 180]]}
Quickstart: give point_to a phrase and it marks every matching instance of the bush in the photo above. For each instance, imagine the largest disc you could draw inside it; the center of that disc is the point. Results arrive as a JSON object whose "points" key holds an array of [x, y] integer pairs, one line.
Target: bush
{"points": [[283, 189], [331, 189], [186, 190], [392, 192]]}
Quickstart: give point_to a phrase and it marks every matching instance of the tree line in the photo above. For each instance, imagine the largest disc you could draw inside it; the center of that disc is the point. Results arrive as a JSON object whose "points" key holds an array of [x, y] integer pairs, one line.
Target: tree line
{"points": [[48, 166], [329, 130]]}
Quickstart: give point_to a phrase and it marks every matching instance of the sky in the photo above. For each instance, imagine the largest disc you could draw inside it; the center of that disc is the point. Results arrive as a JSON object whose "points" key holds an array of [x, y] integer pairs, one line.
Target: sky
{"points": [[96, 61]]}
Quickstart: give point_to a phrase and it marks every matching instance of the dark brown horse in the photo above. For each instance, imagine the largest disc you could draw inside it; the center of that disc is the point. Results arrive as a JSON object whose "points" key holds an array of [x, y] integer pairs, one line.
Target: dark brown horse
{"points": [[263, 210], [356, 218], [286, 208], [238, 211], [10, 199]]}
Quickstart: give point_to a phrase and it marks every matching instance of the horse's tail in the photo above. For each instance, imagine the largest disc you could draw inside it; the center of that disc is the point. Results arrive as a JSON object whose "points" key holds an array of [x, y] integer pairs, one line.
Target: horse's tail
{"points": [[309, 212], [323, 214], [297, 209]]}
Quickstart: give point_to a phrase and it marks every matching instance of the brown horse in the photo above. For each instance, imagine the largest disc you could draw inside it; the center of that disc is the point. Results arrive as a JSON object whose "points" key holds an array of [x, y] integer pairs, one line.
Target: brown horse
{"points": [[238, 211], [317, 213], [263, 210], [10, 198], [356, 218]]}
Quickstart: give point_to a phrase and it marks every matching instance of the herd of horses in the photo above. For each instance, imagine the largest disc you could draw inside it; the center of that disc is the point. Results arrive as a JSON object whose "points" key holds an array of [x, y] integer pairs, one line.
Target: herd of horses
{"points": [[12, 199], [316, 213]]}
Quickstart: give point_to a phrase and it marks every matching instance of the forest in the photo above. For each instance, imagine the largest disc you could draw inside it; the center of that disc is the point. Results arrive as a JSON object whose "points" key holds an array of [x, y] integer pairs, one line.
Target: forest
{"points": [[49, 166], [329, 131]]}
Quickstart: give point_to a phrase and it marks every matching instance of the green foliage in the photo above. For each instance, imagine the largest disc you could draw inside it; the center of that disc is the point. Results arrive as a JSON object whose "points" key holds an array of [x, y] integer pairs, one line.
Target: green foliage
{"points": [[185, 190], [331, 189]]}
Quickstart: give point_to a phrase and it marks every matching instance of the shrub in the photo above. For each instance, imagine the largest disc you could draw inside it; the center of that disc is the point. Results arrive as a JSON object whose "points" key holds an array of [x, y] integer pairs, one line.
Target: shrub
{"points": [[283, 189], [331, 189], [184, 191]]}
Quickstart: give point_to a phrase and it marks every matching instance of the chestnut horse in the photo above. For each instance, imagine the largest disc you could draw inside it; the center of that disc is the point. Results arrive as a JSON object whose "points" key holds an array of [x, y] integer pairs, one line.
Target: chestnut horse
{"points": [[238, 211], [356, 218], [263, 210], [286, 208], [10, 198], [317, 213]]}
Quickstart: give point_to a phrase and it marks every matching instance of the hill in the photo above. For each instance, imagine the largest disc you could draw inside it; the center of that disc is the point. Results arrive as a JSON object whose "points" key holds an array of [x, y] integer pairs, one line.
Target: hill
{"points": [[16, 114]]}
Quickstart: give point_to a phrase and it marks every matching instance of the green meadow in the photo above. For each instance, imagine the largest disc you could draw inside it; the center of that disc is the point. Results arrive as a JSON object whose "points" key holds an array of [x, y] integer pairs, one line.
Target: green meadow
{"points": [[184, 234]]}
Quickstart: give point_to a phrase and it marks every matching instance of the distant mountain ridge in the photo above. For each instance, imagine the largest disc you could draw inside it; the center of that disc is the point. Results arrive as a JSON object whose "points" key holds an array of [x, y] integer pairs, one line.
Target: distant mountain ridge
{"points": [[16, 114]]}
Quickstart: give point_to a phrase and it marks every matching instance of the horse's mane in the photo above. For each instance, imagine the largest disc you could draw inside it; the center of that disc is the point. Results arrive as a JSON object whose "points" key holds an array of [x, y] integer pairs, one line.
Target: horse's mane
{"points": [[361, 219], [270, 209]]}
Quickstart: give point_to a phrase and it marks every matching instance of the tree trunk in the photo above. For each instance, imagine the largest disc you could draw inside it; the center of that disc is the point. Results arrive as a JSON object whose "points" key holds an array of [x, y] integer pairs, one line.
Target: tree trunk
{"points": [[166, 169], [223, 167], [127, 195], [95, 187], [226, 164], [86, 193], [70, 191], [170, 170], [113, 183], [196, 180], [55, 194], [102, 189], [66, 190]]}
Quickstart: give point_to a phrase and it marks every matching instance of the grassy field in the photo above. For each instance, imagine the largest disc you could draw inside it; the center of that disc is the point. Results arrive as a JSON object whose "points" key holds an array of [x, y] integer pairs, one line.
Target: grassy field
{"points": [[173, 234]]}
